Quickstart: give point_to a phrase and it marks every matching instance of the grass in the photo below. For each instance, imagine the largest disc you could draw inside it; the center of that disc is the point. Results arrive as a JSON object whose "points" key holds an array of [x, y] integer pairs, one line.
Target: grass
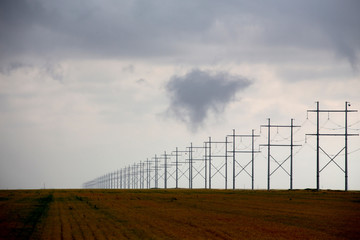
{"points": [[179, 214]]}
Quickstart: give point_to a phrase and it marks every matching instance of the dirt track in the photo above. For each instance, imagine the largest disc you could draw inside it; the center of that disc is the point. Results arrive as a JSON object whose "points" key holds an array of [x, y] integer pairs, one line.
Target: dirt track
{"points": [[179, 214]]}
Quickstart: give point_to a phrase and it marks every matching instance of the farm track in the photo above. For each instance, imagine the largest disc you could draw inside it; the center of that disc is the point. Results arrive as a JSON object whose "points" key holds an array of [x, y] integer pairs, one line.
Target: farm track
{"points": [[179, 214]]}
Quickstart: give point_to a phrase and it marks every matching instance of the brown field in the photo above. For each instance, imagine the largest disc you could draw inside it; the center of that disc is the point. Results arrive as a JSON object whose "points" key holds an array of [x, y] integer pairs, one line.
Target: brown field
{"points": [[179, 214]]}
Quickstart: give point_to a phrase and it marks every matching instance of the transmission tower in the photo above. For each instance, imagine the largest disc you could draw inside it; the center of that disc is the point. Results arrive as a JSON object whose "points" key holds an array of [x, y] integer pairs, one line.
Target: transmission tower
{"points": [[291, 145], [234, 151], [209, 156], [318, 148]]}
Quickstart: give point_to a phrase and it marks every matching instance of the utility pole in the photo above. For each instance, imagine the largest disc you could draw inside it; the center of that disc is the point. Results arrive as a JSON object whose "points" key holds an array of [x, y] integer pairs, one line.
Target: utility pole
{"points": [[234, 151], [226, 160], [318, 148], [177, 177], [210, 163], [148, 175], [190, 150], [191, 164], [206, 156], [156, 172], [165, 170], [234, 159], [129, 178], [291, 145], [211, 157], [177, 168]]}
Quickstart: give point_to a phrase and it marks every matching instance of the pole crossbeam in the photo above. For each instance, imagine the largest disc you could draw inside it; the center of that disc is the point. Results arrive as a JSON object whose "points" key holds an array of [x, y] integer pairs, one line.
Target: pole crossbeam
{"points": [[336, 111], [279, 126], [332, 134], [244, 151], [280, 145]]}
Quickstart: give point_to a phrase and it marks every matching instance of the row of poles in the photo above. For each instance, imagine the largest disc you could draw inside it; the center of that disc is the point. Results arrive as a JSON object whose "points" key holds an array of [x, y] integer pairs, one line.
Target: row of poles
{"points": [[147, 174]]}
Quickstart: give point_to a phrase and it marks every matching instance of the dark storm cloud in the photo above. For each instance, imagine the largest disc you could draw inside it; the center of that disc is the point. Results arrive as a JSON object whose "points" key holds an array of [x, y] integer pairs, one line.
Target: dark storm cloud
{"points": [[195, 94], [123, 29]]}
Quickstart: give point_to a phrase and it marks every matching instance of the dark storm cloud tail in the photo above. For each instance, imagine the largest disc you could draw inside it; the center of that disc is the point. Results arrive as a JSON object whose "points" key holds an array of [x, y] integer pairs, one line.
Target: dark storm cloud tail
{"points": [[195, 94]]}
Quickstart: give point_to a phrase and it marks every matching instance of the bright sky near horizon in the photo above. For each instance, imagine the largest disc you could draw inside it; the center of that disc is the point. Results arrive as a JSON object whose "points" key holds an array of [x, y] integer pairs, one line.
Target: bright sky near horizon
{"points": [[89, 87]]}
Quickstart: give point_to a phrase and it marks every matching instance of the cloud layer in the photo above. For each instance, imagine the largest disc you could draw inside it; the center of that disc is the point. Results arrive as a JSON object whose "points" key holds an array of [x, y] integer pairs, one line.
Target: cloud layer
{"points": [[140, 29], [198, 92]]}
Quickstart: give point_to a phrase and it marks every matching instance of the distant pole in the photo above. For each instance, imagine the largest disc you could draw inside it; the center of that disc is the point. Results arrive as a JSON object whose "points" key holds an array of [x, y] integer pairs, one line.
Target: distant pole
{"points": [[156, 172], [268, 185], [291, 153], [252, 159], [226, 159], [317, 147], [142, 174], [133, 176], [206, 170], [112, 180], [138, 168], [148, 172], [210, 164], [191, 166], [177, 167], [129, 177], [233, 159], [165, 170], [125, 178], [138, 175], [123, 173], [346, 147], [118, 179]]}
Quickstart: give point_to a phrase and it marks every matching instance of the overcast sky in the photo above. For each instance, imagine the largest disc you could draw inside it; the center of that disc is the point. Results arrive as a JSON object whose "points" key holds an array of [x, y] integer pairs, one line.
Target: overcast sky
{"points": [[89, 87]]}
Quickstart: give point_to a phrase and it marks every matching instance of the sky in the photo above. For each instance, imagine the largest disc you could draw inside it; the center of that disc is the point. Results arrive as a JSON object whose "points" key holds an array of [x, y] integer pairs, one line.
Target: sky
{"points": [[90, 87]]}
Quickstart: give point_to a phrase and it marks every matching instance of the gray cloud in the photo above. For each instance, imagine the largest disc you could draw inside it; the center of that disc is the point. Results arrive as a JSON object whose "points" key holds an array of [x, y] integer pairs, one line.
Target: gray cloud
{"points": [[139, 29], [129, 68], [197, 93], [53, 70], [10, 67]]}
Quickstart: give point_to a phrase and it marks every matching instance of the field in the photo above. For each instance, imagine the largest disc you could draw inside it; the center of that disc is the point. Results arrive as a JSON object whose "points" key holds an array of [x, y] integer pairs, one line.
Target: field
{"points": [[179, 214]]}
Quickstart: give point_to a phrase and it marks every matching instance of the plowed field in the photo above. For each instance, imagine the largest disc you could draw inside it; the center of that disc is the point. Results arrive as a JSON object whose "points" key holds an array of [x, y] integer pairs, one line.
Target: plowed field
{"points": [[179, 214]]}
